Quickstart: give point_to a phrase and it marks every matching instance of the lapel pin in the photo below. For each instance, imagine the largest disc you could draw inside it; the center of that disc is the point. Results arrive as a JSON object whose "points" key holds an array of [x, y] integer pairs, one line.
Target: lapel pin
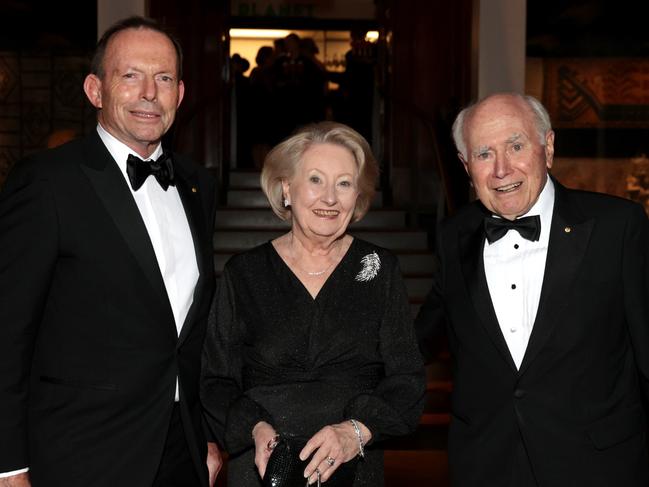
{"points": [[194, 190], [567, 229]]}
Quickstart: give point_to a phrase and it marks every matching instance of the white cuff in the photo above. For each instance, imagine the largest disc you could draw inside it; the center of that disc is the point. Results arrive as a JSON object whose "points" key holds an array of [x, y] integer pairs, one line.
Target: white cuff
{"points": [[14, 472]]}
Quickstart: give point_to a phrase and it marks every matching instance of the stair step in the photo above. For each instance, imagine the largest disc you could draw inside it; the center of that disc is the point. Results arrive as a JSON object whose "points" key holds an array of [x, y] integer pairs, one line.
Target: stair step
{"points": [[431, 437], [439, 370], [264, 218], [438, 396], [247, 198], [245, 179], [255, 198], [418, 287], [435, 419], [237, 240], [416, 263]]}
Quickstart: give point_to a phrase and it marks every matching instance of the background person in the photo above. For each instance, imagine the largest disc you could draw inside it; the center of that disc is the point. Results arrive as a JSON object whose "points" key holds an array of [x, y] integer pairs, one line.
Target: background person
{"points": [[544, 295], [105, 284], [313, 329], [263, 105]]}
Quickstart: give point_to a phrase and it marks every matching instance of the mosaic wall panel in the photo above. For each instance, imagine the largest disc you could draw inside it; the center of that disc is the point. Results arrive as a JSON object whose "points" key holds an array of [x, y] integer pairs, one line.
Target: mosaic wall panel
{"points": [[41, 103], [609, 97], [597, 92], [624, 177]]}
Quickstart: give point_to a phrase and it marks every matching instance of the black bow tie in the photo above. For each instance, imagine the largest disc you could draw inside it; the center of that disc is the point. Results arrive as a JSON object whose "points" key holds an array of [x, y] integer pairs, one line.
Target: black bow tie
{"points": [[528, 227], [138, 170]]}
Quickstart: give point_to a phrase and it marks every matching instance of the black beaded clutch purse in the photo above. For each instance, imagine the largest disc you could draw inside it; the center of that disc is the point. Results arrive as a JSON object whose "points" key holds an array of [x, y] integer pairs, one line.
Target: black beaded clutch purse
{"points": [[285, 469]]}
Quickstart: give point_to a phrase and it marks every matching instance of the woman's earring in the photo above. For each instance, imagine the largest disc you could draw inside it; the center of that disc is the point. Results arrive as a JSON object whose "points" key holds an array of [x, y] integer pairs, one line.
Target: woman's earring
{"points": [[286, 202]]}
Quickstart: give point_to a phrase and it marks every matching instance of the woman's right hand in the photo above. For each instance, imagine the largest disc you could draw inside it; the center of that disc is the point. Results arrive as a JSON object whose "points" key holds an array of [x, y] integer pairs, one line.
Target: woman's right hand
{"points": [[265, 438]]}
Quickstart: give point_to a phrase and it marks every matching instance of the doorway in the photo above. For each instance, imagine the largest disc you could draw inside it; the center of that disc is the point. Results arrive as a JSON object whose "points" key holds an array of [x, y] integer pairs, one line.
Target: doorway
{"points": [[282, 79]]}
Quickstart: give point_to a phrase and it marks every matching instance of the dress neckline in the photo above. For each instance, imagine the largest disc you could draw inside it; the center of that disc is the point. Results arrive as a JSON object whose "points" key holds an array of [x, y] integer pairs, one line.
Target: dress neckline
{"points": [[294, 276]]}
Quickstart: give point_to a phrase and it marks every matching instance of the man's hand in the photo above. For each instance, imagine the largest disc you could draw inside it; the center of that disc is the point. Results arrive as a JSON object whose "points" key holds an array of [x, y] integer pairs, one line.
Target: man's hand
{"points": [[214, 461], [20, 480]]}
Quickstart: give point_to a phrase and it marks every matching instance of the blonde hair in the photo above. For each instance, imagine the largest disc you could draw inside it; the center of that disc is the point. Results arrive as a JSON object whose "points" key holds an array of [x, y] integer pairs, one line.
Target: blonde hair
{"points": [[282, 161]]}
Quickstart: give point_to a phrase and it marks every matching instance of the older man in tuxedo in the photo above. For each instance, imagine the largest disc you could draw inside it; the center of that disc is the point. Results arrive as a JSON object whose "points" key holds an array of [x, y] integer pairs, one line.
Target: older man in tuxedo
{"points": [[543, 293], [105, 284]]}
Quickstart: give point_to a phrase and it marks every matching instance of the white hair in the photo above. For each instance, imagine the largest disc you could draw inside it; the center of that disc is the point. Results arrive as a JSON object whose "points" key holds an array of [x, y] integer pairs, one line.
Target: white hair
{"points": [[541, 120]]}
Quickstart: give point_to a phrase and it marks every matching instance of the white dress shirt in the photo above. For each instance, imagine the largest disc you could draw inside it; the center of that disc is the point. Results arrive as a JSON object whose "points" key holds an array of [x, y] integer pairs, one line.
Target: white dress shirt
{"points": [[514, 268], [168, 229], [166, 223]]}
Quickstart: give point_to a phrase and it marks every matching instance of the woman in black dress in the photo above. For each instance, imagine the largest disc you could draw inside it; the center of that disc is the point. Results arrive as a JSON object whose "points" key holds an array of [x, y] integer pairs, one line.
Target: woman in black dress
{"points": [[313, 335]]}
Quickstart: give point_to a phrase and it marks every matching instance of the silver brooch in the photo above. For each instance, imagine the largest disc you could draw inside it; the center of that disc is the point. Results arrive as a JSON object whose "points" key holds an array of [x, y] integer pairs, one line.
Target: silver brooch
{"points": [[371, 266]]}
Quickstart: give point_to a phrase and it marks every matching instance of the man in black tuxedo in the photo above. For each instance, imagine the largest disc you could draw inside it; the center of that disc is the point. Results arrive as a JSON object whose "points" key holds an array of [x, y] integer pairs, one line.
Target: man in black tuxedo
{"points": [[105, 282], [543, 293]]}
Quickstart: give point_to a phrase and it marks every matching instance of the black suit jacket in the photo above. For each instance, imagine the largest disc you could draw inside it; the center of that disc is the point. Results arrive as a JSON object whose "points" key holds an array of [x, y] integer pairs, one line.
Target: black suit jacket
{"points": [[89, 352], [577, 400]]}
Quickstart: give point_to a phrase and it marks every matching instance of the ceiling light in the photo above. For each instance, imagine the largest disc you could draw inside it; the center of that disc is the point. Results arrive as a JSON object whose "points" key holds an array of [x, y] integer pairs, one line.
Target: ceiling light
{"points": [[372, 36], [258, 33]]}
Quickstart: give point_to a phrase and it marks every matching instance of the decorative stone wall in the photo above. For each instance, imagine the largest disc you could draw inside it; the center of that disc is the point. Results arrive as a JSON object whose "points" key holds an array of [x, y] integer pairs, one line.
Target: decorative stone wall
{"points": [[41, 102], [597, 92], [637, 181], [627, 178]]}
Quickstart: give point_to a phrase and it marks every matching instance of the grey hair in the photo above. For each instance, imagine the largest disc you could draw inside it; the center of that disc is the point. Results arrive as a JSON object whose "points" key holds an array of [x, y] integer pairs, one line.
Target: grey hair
{"points": [[541, 120]]}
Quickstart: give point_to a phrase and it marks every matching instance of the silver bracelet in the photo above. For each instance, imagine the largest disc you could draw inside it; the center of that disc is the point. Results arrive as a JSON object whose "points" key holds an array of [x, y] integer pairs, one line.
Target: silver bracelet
{"points": [[359, 437]]}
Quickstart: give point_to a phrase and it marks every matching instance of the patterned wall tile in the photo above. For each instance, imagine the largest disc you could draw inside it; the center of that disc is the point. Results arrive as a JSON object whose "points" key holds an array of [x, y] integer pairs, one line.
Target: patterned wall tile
{"points": [[597, 92], [8, 77], [40, 95], [7, 159]]}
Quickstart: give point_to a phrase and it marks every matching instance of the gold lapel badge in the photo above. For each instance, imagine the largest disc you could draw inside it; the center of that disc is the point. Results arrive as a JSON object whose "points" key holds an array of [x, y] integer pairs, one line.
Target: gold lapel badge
{"points": [[567, 229], [194, 190]]}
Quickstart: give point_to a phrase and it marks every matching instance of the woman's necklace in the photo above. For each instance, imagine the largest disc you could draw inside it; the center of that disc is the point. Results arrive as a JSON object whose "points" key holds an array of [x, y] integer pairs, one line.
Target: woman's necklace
{"points": [[318, 273], [322, 272]]}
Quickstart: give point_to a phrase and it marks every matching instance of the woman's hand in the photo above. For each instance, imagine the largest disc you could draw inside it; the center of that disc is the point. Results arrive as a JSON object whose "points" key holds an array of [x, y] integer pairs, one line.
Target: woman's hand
{"points": [[214, 462], [265, 438], [333, 445]]}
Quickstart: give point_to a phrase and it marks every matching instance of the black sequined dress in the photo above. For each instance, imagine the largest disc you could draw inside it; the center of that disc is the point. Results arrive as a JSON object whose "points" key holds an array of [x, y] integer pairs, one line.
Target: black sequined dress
{"points": [[275, 353]]}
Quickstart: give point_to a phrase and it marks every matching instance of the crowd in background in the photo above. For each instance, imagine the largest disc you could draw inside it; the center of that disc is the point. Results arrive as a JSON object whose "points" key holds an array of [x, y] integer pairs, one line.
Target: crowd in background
{"points": [[289, 87]]}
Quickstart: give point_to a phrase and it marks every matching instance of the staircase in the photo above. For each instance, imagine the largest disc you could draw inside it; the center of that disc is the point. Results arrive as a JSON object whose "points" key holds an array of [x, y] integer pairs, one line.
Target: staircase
{"points": [[247, 221]]}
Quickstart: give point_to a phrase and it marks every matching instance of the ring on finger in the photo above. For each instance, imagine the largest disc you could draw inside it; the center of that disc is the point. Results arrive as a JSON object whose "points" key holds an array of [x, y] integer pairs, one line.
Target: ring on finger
{"points": [[272, 443], [330, 461]]}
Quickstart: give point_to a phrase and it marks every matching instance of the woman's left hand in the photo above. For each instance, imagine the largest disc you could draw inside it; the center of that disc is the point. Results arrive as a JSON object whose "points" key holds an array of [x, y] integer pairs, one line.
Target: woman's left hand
{"points": [[265, 438], [333, 445]]}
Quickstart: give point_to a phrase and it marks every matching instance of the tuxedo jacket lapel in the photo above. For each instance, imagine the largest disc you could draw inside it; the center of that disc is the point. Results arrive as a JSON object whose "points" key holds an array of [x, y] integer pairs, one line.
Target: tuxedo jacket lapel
{"points": [[472, 239], [111, 187], [569, 236], [189, 190]]}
